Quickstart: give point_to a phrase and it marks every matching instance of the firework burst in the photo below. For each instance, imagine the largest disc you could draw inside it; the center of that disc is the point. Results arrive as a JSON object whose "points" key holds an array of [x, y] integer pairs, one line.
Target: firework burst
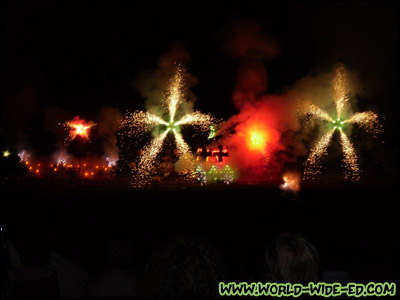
{"points": [[291, 182], [368, 121], [78, 127], [138, 123]]}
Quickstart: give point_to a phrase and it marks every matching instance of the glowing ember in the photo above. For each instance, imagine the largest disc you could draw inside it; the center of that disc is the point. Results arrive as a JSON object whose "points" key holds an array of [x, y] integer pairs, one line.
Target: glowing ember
{"points": [[64, 170], [291, 182], [138, 123], [111, 161], [78, 127], [365, 120], [213, 132], [6, 153], [256, 138]]}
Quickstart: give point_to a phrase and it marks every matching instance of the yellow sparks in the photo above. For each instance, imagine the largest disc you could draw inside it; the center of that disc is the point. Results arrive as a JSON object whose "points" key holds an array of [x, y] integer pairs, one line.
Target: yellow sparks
{"points": [[312, 166], [150, 152], [6, 153], [349, 158], [139, 122], [315, 112], [175, 96], [182, 146], [186, 158], [197, 119], [340, 89], [368, 121]]}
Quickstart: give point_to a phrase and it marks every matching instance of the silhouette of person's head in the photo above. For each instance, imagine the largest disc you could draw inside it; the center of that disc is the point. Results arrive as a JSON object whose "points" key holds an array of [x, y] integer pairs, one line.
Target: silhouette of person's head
{"points": [[292, 258], [184, 267]]}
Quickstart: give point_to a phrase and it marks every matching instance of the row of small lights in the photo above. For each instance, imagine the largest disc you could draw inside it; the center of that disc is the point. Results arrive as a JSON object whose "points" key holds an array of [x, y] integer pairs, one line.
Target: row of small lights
{"points": [[203, 174], [58, 166]]}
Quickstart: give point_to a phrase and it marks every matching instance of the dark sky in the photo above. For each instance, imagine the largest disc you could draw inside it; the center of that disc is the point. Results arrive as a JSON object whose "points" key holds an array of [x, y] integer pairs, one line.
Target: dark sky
{"points": [[80, 57]]}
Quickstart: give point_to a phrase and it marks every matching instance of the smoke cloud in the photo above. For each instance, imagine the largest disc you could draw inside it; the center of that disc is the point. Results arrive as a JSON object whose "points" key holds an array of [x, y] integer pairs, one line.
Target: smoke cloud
{"points": [[153, 83], [108, 125], [254, 134]]}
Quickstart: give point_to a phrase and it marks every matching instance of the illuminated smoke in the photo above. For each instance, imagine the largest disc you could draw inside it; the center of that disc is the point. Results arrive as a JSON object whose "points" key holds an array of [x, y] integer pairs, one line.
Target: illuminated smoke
{"points": [[253, 136], [337, 121], [108, 125], [138, 123], [291, 182], [341, 90], [24, 156]]}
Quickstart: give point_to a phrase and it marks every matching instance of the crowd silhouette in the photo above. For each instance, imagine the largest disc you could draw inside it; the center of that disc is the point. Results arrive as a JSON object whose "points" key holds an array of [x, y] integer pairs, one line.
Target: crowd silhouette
{"points": [[179, 266]]}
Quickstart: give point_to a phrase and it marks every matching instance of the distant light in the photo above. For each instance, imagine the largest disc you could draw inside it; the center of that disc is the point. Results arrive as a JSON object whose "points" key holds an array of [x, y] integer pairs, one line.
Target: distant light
{"points": [[6, 153]]}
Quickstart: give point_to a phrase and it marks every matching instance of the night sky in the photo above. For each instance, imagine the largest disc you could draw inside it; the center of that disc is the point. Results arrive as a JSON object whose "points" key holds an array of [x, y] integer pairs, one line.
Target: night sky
{"points": [[80, 56], [76, 58]]}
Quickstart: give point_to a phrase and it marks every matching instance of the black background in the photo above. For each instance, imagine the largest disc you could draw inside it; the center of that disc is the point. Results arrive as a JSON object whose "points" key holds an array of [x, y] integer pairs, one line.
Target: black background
{"points": [[81, 56]]}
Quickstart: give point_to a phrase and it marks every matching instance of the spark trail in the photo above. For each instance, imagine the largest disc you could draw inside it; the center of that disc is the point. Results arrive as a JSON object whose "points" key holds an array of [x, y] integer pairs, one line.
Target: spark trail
{"points": [[78, 127], [349, 158], [312, 164], [138, 123], [368, 121]]}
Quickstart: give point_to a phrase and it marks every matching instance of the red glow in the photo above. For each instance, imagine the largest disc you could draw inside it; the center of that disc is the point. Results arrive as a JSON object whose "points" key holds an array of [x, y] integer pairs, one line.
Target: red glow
{"points": [[79, 127], [256, 137]]}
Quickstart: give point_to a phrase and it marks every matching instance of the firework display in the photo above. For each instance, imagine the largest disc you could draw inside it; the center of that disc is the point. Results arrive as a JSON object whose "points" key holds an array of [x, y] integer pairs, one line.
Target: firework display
{"points": [[291, 182], [65, 167], [78, 127], [137, 123], [246, 144], [225, 175], [338, 123], [6, 153]]}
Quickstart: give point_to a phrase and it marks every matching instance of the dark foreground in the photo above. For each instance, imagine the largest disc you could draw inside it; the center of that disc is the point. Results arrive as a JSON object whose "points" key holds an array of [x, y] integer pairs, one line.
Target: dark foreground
{"points": [[354, 227]]}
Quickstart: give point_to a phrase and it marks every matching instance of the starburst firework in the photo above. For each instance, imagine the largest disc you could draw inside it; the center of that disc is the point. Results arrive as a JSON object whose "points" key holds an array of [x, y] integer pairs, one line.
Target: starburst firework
{"points": [[78, 127], [368, 121], [139, 122]]}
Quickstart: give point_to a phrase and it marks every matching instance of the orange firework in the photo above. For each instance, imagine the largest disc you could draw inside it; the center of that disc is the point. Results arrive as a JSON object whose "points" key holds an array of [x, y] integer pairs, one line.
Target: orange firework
{"points": [[256, 140], [256, 136], [291, 182], [78, 127]]}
